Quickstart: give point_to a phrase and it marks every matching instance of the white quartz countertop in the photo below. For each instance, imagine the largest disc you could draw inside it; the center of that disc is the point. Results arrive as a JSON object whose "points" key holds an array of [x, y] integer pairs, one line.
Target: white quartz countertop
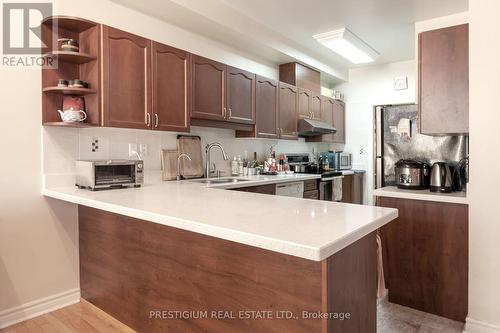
{"points": [[305, 228], [426, 195]]}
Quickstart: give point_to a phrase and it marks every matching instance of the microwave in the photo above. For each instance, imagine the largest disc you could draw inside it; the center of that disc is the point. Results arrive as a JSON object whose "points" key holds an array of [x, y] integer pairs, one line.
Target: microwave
{"points": [[343, 161], [109, 174]]}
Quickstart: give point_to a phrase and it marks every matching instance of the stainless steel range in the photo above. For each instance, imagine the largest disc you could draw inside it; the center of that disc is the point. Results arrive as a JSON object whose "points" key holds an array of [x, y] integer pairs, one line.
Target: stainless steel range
{"points": [[330, 184]]}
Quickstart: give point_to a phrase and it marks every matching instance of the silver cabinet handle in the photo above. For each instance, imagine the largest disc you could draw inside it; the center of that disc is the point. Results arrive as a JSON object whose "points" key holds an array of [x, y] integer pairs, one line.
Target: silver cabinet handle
{"points": [[225, 113], [148, 119], [156, 120], [230, 113]]}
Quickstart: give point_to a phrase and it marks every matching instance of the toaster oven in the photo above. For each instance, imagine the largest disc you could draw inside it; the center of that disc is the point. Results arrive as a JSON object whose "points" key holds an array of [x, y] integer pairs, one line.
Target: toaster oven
{"points": [[109, 174]]}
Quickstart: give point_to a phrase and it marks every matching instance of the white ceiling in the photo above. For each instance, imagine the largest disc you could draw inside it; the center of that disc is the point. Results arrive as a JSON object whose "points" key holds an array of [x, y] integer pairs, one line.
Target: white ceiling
{"points": [[282, 30]]}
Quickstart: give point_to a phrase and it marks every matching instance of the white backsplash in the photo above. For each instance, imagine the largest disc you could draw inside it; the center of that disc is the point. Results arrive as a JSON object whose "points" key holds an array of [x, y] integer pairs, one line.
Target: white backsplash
{"points": [[62, 146]]}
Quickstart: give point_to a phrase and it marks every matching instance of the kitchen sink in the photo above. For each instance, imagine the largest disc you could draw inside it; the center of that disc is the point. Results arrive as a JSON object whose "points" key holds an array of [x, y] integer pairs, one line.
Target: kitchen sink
{"points": [[218, 180]]}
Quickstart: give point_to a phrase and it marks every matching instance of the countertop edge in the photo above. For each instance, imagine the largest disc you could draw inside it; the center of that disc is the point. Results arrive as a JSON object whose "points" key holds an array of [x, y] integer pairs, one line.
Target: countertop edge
{"points": [[424, 196], [258, 241], [305, 252]]}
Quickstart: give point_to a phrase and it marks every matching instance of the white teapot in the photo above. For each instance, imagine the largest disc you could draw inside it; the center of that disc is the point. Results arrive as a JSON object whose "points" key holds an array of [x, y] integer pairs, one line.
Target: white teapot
{"points": [[72, 116]]}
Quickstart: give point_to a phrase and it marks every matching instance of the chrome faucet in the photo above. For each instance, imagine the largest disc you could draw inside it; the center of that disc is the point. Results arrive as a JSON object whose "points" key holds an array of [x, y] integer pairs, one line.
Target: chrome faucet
{"points": [[179, 177], [208, 149]]}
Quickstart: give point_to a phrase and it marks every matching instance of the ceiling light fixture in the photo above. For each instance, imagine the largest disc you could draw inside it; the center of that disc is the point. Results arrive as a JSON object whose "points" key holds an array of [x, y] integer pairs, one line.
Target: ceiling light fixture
{"points": [[348, 45]]}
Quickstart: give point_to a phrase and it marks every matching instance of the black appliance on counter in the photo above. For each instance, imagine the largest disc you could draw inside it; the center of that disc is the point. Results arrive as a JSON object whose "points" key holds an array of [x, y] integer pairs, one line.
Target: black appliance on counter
{"points": [[412, 175]]}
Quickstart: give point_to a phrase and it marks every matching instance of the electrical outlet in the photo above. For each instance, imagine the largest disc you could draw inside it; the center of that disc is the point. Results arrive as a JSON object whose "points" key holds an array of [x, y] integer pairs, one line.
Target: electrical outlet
{"points": [[132, 150], [95, 144], [143, 149]]}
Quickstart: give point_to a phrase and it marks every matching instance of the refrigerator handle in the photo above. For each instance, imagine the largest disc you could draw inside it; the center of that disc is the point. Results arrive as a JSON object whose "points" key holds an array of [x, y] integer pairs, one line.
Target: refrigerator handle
{"points": [[379, 172], [379, 131]]}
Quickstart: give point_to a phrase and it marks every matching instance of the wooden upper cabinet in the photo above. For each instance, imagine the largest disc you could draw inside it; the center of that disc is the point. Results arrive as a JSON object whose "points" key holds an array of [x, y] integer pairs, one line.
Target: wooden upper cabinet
{"points": [[171, 75], [301, 76], [339, 121], [327, 111], [267, 108], [443, 68], [316, 106], [304, 103], [208, 89], [240, 96], [288, 111], [126, 79]]}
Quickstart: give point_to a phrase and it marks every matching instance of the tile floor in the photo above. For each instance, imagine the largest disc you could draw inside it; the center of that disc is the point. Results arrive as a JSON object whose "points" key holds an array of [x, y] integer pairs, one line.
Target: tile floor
{"points": [[394, 318]]}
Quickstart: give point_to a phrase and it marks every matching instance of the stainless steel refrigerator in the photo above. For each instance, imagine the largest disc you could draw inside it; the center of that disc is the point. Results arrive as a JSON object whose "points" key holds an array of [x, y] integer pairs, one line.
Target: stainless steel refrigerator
{"points": [[397, 137]]}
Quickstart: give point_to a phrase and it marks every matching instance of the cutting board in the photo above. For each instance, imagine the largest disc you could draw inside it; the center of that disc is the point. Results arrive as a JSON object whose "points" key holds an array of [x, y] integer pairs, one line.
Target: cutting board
{"points": [[169, 164], [190, 145]]}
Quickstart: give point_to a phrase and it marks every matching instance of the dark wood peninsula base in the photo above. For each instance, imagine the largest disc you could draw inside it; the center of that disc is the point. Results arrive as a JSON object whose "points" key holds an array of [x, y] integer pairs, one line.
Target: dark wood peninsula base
{"points": [[145, 274]]}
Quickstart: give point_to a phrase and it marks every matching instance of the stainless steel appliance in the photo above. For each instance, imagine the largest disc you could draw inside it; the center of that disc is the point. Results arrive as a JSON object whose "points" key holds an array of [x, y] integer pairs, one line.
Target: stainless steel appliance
{"points": [[412, 175], [330, 187], [294, 189], [298, 162], [108, 174], [343, 161], [441, 178], [313, 127], [330, 184], [396, 137]]}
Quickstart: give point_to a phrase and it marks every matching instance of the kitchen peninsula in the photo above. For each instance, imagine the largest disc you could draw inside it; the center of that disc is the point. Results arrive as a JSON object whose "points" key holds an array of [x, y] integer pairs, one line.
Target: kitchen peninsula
{"points": [[185, 246]]}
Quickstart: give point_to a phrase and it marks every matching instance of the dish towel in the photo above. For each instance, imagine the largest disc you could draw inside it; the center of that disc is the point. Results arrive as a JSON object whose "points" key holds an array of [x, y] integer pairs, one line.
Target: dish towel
{"points": [[380, 270]]}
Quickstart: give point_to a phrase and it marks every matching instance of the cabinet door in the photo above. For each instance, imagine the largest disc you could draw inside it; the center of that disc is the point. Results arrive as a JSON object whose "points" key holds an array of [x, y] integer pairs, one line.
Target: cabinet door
{"points": [[327, 111], [443, 69], [288, 111], [240, 96], [267, 111], [126, 79], [208, 89], [316, 106], [347, 187], [171, 73], [339, 121], [425, 254], [304, 103]]}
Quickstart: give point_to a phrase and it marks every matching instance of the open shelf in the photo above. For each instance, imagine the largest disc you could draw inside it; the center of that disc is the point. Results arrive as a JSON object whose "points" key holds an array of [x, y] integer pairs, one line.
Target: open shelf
{"points": [[71, 23], [70, 124], [72, 57], [69, 91]]}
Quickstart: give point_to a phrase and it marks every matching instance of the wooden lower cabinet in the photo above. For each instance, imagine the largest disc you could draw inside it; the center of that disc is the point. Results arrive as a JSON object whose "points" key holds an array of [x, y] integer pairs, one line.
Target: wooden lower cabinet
{"points": [[135, 269], [425, 252]]}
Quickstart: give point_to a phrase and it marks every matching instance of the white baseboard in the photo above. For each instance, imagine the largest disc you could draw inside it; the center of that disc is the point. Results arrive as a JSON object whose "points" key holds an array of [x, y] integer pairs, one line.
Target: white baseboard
{"points": [[476, 326], [36, 308]]}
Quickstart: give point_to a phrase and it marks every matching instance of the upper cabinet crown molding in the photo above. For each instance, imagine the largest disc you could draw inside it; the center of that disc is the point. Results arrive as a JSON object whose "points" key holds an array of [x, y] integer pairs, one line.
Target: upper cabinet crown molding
{"points": [[443, 80]]}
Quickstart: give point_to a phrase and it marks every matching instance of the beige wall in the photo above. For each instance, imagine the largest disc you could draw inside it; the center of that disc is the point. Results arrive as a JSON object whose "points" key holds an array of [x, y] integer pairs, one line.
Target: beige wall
{"points": [[484, 194], [368, 87], [38, 236]]}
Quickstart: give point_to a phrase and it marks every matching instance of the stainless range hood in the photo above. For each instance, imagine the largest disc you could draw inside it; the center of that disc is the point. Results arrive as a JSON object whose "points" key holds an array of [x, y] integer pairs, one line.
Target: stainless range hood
{"points": [[311, 127]]}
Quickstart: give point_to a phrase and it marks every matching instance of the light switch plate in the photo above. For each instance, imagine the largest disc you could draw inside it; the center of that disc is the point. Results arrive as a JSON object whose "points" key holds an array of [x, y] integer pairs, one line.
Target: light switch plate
{"points": [[401, 82]]}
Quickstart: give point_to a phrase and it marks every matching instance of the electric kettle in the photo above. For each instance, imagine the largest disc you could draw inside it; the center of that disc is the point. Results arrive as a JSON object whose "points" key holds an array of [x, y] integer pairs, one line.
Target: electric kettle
{"points": [[441, 178]]}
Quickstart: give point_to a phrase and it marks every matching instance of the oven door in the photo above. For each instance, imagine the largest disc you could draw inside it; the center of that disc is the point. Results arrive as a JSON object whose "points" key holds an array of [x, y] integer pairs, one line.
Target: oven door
{"points": [[114, 174], [330, 189]]}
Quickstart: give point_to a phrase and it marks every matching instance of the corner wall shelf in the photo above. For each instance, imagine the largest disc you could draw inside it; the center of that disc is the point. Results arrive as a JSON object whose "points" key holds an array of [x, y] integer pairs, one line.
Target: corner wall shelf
{"points": [[69, 91], [72, 57]]}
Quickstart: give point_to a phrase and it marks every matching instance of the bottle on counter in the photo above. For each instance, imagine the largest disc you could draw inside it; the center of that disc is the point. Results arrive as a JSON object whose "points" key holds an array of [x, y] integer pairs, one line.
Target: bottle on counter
{"points": [[234, 167], [326, 164], [240, 166]]}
